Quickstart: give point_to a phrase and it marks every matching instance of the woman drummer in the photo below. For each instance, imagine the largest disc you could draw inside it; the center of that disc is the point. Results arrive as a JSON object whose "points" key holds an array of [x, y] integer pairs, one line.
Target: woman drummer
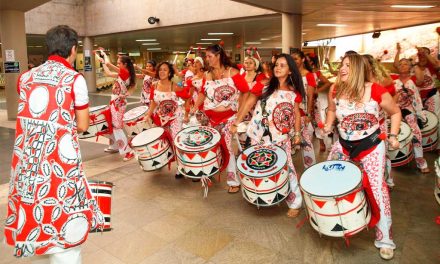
{"points": [[409, 100], [357, 103], [194, 85], [124, 85], [148, 76], [221, 96], [306, 107], [277, 117], [164, 109]]}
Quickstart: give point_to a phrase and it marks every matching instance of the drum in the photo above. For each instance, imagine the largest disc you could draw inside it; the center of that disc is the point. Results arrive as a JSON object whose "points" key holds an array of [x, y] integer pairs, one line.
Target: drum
{"points": [[404, 154], [264, 175], [99, 122], [429, 131], [133, 121], [152, 149], [102, 193], [198, 151], [334, 197], [437, 181]]}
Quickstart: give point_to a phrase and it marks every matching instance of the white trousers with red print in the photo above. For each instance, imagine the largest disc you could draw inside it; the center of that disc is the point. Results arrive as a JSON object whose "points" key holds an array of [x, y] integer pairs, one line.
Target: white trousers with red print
{"points": [[433, 105], [388, 176], [374, 165], [119, 141], [321, 106], [225, 131], [308, 151], [411, 120]]}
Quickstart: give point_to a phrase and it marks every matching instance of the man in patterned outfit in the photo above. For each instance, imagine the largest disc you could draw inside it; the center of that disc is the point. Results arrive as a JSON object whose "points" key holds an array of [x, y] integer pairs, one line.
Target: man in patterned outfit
{"points": [[50, 206]]}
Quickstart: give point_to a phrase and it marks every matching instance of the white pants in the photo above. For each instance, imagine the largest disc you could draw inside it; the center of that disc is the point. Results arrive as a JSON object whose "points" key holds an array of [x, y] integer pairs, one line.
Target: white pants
{"points": [[67, 256]]}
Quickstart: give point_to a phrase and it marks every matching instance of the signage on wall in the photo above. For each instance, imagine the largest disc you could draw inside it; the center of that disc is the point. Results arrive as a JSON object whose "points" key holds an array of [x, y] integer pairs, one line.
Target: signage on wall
{"points": [[12, 67], [87, 64], [9, 55]]}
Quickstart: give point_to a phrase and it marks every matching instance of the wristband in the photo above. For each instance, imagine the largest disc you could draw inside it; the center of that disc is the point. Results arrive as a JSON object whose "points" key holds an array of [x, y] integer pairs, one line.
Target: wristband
{"points": [[297, 133], [392, 135]]}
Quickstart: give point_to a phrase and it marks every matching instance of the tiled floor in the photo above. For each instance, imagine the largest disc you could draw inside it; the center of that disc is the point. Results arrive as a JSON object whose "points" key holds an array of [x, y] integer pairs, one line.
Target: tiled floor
{"points": [[158, 219]]}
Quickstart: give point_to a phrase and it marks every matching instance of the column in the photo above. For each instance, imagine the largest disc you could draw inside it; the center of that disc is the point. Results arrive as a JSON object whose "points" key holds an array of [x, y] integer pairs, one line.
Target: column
{"points": [[89, 64], [237, 47], [291, 32], [13, 37]]}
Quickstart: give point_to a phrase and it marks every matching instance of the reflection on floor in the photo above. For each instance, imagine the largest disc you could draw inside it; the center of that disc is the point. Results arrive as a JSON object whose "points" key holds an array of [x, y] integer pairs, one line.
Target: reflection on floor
{"points": [[158, 219]]}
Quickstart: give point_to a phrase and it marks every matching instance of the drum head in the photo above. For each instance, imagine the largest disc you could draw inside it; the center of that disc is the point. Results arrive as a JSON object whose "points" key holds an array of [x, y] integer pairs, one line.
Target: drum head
{"points": [[330, 178], [432, 121], [135, 113], [147, 136], [97, 108], [196, 138], [261, 161]]}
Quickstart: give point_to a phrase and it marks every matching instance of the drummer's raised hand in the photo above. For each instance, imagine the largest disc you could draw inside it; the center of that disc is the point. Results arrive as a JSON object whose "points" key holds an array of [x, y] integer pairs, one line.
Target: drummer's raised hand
{"points": [[147, 118], [297, 138]]}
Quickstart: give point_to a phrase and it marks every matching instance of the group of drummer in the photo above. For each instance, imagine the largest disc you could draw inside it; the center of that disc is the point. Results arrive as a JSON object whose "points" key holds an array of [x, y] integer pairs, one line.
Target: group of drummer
{"points": [[286, 106]]}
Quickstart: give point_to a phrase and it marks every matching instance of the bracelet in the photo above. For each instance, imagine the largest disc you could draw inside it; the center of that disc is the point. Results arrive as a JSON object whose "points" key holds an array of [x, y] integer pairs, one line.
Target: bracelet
{"points": [[392, 135], [234, 125], [297, 133]]}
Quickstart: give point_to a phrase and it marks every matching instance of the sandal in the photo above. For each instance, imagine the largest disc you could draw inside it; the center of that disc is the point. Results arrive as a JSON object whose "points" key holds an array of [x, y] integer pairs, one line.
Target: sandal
{"points": [[234, 189], [386, 253], [425, 170]]}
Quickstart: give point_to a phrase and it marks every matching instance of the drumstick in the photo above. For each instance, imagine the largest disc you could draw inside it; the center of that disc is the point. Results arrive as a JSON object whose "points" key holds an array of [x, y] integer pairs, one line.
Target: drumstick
{"points": [[175, 59]]}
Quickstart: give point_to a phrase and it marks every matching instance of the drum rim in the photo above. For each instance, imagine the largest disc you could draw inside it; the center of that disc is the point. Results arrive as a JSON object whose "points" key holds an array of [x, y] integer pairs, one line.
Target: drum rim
{"points": [[137, 117], [339, 195], [98, 107], [358, 187], [152, 140], [100, 182], [436, 125]]}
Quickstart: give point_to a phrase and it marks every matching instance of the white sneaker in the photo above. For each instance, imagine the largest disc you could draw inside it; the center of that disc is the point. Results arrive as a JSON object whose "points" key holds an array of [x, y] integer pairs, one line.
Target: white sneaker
{"points": [[110, 150]]}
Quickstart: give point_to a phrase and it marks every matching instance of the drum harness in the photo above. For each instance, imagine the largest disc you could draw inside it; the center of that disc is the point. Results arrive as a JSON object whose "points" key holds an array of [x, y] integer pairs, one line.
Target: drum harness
{"points": [[355, 147]]}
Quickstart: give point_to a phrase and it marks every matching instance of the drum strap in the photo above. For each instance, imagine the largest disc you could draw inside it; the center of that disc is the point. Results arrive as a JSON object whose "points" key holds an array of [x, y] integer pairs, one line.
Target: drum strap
{"points": [[354, 148], [265, 120]]}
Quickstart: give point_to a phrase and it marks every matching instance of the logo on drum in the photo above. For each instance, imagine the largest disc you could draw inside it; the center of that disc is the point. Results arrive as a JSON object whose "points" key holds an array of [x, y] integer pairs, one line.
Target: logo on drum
{"points": [[223, 93], [198, 137], [262, 159], [336, 166]]}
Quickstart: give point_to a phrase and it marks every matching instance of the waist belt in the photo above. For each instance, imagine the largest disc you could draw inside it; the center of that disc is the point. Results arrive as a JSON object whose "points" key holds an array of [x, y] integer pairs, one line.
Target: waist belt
{"points": [[355, 147]]}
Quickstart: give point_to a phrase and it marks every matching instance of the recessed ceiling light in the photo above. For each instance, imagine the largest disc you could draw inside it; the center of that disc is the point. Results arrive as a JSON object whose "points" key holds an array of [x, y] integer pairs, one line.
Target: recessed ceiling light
{"points": [[150, 44], [253, 42], [154, 48], [203, 43], [412, 6], [141, 40], [331, 25], [220, 33], [210, 39], [264, 38]]}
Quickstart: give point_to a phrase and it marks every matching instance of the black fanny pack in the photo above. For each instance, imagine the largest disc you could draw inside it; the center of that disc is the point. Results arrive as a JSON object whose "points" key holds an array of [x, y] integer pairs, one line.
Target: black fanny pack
{"points": [[355, 147]]}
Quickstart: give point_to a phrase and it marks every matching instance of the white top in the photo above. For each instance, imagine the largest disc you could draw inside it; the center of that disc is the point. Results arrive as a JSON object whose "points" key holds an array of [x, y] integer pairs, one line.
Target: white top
{"points": [[80, 91]]}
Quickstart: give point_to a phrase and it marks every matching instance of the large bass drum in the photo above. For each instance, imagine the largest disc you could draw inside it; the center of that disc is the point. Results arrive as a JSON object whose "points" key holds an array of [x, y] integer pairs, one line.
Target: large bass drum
{"points": [[335, 200], [264, 175]]}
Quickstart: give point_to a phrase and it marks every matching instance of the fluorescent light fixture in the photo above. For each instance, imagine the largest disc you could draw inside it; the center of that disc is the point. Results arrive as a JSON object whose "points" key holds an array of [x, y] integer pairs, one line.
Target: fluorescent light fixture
{"points": [[150, 44], [412, 6], [96, 45], [304, 33], [142, 40], [154, 48], [253, 42], [210, 39], [203, 43], [264, 38], [331, 25], [220, 33]]}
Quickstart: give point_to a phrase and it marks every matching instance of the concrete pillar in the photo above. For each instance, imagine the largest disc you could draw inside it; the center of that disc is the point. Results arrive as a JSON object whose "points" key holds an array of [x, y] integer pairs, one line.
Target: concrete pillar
{"points": [[291, 32], [237, 47], [13, 36], [89, 64]]}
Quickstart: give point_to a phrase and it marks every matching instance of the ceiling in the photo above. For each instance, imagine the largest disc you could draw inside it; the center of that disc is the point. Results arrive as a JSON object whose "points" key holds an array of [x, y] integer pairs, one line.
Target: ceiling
{"points": [[358, 16], [21, 5]]}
